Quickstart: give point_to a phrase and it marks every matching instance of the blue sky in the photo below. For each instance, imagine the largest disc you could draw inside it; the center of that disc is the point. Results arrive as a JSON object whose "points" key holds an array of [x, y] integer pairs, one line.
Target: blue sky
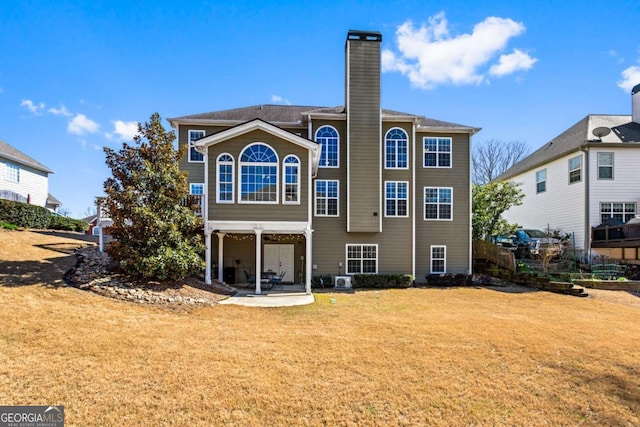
{"points": [[76, 76]]}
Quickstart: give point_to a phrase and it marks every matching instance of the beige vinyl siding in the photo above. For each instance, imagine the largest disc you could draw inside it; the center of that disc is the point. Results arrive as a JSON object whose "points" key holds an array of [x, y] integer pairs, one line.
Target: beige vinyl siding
{"points": [[248, 211], [455, 234], [33, 182], [363, 103]]}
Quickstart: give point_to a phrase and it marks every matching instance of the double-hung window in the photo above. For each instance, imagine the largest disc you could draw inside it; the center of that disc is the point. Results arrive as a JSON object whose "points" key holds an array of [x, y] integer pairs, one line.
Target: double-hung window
{"points": [[541, 181], [258, 174], [12, 172], [623, 211], [194, 156], [362, 259], [291, 180], [438, 203], [437, 152], [396, 198], [225, 179], [438, 259], [329, 142], [327, 192], [575, 169], [396, 149], [197, 190], [605, 165]]}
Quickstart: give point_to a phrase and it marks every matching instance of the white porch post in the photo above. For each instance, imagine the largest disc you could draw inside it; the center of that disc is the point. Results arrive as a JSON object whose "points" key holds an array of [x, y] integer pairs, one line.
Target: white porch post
{"points": [[101, 234], [309, 267], [220, 255], [258, 232], [207, 255]]}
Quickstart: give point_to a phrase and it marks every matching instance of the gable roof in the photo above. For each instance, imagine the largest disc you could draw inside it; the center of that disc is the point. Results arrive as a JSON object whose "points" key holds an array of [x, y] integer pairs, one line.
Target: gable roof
{"points": [[296, 115], [258, 124], [51, 200], [15, 155], [575, 138]]}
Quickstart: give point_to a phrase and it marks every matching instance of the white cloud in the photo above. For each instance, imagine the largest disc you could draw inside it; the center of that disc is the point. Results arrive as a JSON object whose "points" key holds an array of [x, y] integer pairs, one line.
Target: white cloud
{"points": [[62, 111], [630, 78], [280, 100], [431, 56], [123, 130], [509, 64], [31, 106], [80, 125]]}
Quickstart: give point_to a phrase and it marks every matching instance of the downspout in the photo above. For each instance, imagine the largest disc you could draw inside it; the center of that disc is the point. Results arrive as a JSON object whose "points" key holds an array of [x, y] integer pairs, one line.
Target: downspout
{"points": [[413, 198], [587, 207]]}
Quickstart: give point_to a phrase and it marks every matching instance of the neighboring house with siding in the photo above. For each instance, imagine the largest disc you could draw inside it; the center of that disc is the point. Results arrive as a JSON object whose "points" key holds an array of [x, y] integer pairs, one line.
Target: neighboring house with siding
{"points": [[308, 190], [24, 179], [583, 177]]}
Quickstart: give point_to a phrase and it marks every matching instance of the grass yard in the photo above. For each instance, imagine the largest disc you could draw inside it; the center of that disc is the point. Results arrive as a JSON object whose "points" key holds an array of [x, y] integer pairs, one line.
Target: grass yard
{"points": [[461, 356]]}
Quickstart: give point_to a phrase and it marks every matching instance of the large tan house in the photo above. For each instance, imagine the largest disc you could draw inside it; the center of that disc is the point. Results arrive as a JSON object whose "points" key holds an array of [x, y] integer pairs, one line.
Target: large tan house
{"points": [[306, 190]]}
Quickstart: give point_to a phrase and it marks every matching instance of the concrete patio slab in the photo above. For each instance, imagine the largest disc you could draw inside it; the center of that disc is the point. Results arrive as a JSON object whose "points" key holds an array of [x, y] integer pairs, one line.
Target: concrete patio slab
{"points": [[269, 299]]}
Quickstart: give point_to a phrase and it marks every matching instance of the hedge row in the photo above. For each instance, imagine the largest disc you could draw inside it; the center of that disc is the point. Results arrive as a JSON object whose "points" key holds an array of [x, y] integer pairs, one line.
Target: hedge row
{"points": [[382, 281], [32, 216]]}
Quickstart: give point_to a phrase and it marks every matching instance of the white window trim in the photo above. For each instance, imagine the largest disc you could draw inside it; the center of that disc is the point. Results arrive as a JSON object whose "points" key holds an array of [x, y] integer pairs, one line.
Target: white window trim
{"points": [[284, 180], [240, 164], [431, 259], [385, 199], [579, 168], [437, 166], [624, 211], [542, 180], [315, 138], [233, 179], [190, 144], [424, 204], [607, 166], [315, 199], [12, 172], [385, 150], [346, 257], [192, 184]]}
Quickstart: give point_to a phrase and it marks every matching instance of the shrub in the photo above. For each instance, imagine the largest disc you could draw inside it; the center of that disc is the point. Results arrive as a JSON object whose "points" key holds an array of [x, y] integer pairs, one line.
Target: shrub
{"points": [[382, 281], [24, 215], [449, 280], [8, 226], [57, 222]]}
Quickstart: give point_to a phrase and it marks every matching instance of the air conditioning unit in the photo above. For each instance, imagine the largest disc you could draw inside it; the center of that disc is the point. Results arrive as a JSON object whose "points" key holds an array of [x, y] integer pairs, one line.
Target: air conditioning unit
{"points": [[343, 282]]}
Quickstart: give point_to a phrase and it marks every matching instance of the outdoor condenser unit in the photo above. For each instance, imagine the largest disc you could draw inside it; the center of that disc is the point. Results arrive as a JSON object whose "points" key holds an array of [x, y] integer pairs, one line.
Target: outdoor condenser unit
{"points": [[343, 282]]}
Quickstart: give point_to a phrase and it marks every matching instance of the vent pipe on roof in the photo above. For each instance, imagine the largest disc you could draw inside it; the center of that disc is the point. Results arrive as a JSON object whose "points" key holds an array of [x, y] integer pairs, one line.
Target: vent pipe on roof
{"points": [[635, 104]]}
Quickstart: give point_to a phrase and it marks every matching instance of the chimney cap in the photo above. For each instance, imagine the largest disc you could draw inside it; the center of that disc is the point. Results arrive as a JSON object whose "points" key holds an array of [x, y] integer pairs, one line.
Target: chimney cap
{"points": [[635, 89], [374, 36]]}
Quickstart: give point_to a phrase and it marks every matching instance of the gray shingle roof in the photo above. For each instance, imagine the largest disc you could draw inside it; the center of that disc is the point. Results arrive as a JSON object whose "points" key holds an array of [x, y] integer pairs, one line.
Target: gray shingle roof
{"points": [[15, 155], [572, 139], [51, 200], [294, 114]]}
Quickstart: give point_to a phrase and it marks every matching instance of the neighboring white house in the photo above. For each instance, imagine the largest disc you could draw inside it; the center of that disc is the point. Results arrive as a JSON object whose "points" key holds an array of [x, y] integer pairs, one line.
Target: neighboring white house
{"points": [[24, 179], [583, 177]]}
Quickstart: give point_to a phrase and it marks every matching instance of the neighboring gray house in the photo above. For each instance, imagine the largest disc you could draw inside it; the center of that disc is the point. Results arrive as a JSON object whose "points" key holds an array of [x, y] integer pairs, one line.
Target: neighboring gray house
{"points": [[583, 178], [24, 179], [355, 189]]}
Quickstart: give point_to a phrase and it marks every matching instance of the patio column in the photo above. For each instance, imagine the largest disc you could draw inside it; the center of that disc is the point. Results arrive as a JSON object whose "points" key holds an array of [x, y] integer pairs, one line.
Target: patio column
{"points": [[207, 256], [258, 232], [308, 267], [220, 255]]}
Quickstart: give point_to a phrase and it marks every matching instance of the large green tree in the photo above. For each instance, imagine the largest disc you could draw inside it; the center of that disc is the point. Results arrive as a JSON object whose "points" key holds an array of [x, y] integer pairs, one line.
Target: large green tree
{"points": [[489, 202], [155, 234]]}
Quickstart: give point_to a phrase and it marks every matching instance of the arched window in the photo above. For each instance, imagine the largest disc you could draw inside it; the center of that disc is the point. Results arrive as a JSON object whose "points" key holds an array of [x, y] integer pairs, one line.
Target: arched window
{"points": [[396, 149], [291, 180], [258, 174], [329, 140], [225, 179]]}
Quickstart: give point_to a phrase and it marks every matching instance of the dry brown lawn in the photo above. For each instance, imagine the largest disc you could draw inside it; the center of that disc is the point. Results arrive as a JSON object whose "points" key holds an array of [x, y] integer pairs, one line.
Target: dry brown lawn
{"points": [[464, 356]]}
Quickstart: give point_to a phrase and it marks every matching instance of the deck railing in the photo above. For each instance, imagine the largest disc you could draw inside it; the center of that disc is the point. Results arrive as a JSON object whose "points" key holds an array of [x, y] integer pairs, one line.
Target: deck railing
{"points": [[615, 233], [13, 196]]}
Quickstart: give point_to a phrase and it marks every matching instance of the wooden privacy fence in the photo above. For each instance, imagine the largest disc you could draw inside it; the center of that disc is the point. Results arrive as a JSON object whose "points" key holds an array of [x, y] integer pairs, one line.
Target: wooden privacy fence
{"points": [[502, 257]]}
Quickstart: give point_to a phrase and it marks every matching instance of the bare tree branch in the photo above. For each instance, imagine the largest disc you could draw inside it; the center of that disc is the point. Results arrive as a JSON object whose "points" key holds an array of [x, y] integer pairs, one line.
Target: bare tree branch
{"points": [[491, 158]]}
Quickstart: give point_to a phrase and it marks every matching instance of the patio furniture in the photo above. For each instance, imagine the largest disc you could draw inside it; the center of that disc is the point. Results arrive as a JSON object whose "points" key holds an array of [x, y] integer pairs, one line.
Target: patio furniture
{"points": [[250, 279], [276, 280]]}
